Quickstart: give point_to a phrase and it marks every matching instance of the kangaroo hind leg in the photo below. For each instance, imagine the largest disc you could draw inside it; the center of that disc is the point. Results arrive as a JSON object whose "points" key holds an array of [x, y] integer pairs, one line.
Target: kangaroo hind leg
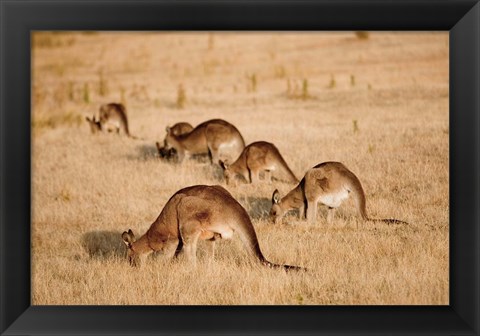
{"points": [[330, 215], [311, 211], [214, 153], [254, 176], [190, 232], [211, 247]]}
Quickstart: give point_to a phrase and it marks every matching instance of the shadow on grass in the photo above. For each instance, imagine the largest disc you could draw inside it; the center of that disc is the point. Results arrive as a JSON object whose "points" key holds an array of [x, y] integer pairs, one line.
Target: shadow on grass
{"points": [[214, 171], [145, 152], [103, 244], [258, 207]]}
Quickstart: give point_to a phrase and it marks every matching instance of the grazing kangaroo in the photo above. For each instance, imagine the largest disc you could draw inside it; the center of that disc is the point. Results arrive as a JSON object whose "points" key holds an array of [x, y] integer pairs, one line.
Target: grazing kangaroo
{"points": [[216, 137], [192, 213], [177, 129], [95, 125], [257, 157], [113, 118], [329, 183]]}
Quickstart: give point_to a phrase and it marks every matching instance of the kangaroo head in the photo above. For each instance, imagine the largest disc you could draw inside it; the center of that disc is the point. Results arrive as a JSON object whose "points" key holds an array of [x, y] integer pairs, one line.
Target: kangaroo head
{"points": [[95, 125], [103, 113], [276, 212], [227, 173], [163, 152], [132, 257], [167, 142]]}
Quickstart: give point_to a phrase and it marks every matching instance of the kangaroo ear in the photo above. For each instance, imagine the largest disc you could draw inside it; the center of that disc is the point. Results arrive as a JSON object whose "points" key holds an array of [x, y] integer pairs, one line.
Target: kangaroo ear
{"points": [[168, 129], [223, 164], [126, 239], [276, 197]]}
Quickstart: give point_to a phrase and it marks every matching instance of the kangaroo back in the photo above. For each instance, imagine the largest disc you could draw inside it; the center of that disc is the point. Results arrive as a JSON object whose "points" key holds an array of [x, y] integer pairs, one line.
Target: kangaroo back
{"points": [[114, 115], [123, 117], [284, 166]]}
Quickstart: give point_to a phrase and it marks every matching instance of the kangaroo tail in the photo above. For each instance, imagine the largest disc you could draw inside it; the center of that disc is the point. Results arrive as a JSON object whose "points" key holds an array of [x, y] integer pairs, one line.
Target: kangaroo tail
{"points": [[287, 268], [284, 166], [123, 116], [388, 220], [291, 176], [249, 238], [361, 204], [259, 255]]}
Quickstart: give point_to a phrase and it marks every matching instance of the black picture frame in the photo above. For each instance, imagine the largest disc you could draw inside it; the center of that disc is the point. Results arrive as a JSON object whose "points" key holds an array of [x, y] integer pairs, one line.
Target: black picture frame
{"points": [[18, 18]]}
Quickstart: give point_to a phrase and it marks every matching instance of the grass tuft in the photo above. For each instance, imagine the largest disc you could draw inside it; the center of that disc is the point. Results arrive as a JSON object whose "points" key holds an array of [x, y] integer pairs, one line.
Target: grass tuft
{"points": [[181, 97], [332, 83], [52, 121], [362, 35], [355, 126], [47, 40], [102, 84], [298, 90], [252, 83], [86, 93]]}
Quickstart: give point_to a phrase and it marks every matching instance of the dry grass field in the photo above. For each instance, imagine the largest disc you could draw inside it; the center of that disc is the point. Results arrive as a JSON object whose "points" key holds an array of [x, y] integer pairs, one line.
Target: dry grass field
{"points": [[377, 102]]}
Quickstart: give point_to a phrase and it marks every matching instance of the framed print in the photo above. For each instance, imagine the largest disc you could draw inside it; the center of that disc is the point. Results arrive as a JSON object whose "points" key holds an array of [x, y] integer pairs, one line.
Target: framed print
{"points": [[193, 141]]}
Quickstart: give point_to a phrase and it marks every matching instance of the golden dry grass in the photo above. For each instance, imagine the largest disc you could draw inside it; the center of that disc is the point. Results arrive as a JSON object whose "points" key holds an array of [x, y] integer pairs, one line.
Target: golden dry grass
{"points": [[378, 104]]}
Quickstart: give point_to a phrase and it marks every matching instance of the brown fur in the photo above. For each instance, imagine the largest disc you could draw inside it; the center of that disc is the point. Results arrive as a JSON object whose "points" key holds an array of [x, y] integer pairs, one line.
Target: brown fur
{"points": [[177, 129], [216, 137], [328, 183], [113, 118], [193, 213], [260, 156], [181, 128]]}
